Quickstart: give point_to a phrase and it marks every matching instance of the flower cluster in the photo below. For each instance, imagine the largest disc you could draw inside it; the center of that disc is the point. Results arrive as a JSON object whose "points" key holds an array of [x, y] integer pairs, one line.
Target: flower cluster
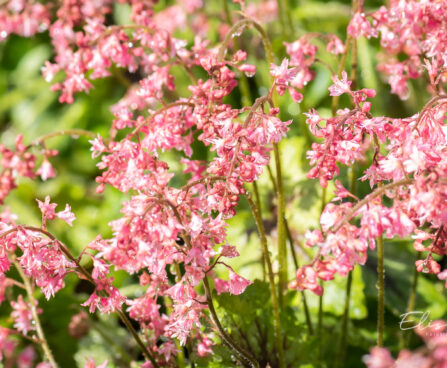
{"points": [[411, 173], [432, 356]]}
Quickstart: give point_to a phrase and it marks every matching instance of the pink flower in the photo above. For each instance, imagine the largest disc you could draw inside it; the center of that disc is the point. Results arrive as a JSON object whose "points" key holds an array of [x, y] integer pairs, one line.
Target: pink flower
{"points": [[307, 278], [229, 251], [204, 347], [46, 170], [443, 276], [26, 357], [335, 46], [237, 284], [379, 358], [66, 215], [359, 26], [47, 208], [284, 77], [23, 320], [313, 237], [248, 69], [340, 86], [91, 364], [221, 286]]}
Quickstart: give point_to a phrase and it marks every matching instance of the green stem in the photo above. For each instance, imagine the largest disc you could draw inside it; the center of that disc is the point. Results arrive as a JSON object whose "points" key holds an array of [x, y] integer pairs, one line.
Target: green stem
{"points": [[320, 322], [321, 297], [227, 12], [245, 355], [258, 205], [282, 250], [302, 292], [404, 336], [381, 291], [275, 302], [32, 303], [344, 326], [70, 132], [288, 17], [282, 18], [236, 28]]}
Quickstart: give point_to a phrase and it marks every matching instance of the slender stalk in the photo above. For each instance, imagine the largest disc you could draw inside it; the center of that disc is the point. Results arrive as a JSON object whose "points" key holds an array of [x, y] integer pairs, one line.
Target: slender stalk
{"points": [[288, 17], [227, 12], [245, 355], [281, 245], [258, 205], [321, 297], [381, 291], [71, 132], [302, 292], [137, 338], [244, 86], [271, 277], [281, 229], [236, 28], [320, 320], [344, 326], [376, 193], [282, 17], [32, 302], [404, 337]]}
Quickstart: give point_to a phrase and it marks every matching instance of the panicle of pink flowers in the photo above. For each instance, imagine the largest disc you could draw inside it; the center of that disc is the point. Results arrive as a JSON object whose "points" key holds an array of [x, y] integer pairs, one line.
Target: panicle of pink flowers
{"points": [[412, 28], [165, 229], [23, 17], [343, 135], [413, 167]]}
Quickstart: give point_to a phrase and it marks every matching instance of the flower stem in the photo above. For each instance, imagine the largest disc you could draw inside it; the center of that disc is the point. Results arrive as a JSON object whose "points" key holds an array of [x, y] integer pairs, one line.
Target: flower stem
{"points": [[282, 250], [71, 132], [245, 355], [282, 20], [244, 86], [275, 302], [344, 326], [321, 297], [381, 291], [281, 245], [320, 322], [32, 302], [258, 205], [302, 292], [403, 338]]}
